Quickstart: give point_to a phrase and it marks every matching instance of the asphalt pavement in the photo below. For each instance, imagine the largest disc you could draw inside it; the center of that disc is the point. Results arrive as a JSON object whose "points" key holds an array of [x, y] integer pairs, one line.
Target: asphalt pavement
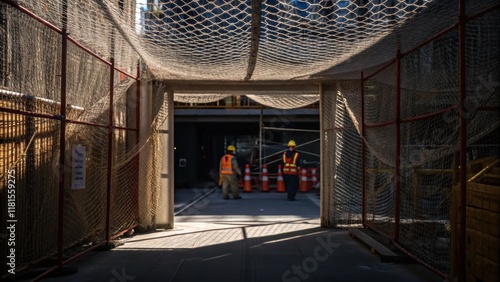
{"points": [[261, 237]]}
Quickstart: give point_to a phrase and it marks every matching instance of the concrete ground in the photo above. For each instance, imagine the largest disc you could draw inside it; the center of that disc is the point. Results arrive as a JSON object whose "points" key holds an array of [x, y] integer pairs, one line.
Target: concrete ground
{"points": [[262, 237]]}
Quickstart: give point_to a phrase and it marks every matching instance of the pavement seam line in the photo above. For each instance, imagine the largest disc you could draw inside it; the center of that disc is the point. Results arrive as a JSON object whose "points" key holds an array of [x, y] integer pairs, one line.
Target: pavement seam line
{"points": [[313, 199], [194, 202]]}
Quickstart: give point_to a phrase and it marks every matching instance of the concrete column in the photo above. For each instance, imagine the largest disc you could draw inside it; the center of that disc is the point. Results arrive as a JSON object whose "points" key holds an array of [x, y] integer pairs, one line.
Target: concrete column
{"points": [[165, 216], [145, 180]]}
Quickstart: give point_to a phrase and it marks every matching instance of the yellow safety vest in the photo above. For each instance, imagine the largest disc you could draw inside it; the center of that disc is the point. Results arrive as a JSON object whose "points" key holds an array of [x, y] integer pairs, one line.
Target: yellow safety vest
{"points": [[290, 164], [226, 164]]}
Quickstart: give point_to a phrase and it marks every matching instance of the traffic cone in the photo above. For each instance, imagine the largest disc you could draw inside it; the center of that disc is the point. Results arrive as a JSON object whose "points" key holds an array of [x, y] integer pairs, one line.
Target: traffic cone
{"points": [[280, 184], [265, 180], [314, 174], [247, 181], [304, 187]]}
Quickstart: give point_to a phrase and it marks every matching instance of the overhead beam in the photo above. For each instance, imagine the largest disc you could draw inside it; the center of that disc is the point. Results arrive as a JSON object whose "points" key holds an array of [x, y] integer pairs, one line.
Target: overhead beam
{"points": [[247, 88]]}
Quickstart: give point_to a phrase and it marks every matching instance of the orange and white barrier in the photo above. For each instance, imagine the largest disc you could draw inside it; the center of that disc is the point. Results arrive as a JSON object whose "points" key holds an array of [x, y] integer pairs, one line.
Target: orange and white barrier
{"points": [[280, 183], [247, 180], [304, 183], [314, 176], [265, 180]]}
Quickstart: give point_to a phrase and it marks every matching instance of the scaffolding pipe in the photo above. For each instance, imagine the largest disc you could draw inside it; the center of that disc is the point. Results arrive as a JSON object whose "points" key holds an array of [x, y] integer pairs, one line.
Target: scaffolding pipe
{"points": [[290, 129], [29, 114], [382, 124], [397, 177], [324, 190], [363, 153], [16, 95], [260, 141], [138, 133], [62, 136], [463, 143], [110, 151], [138, 102]]}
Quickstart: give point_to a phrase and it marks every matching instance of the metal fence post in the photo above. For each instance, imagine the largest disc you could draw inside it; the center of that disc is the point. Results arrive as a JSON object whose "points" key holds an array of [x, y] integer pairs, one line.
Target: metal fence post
{"points": [[397, 165], [62, 137], [110, 151], [363, 154], [463, 142]]}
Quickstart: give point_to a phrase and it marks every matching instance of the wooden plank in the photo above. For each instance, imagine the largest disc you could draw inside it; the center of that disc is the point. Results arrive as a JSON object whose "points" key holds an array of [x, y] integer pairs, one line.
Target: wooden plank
{"points": [[386, 255]]}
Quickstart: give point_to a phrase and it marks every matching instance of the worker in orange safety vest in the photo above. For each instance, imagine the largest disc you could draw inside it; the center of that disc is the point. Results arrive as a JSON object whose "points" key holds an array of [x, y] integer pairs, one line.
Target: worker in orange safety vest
{"points": [[228, 171], [291, 170]]}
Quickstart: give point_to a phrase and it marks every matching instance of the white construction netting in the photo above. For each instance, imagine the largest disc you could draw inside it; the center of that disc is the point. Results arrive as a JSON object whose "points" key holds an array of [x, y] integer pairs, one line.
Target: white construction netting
{"points": [[268, 40], [213, 40]]}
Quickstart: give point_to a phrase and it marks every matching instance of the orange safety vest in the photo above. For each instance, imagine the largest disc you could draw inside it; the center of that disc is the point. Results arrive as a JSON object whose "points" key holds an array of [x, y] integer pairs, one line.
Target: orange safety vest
{"points": [[290, 164], [226, 164]]}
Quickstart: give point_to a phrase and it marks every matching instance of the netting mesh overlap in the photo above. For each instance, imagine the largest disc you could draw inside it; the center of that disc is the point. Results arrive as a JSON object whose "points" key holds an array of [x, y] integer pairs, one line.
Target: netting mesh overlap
{"points": [[327, 42], [212, 39]]}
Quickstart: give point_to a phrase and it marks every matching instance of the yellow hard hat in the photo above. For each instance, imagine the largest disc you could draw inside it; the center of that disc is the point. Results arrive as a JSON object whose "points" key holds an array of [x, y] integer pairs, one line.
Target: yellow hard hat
{"points": [[291, 143], [231, 148]]}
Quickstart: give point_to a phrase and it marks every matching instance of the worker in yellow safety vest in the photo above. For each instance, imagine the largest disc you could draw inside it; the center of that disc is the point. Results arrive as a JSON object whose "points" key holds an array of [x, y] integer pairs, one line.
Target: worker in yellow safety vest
{"points": [[291, 170], [228, 171]]}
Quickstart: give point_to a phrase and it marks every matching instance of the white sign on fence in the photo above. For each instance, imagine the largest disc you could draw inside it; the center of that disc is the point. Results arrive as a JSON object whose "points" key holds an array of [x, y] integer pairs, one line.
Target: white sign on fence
{"points": [[78, 163]]}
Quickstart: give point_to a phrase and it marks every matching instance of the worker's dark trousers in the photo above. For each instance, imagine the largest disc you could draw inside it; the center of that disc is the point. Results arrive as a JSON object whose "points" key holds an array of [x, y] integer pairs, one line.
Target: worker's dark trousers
{"points": [[291, 185]]}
